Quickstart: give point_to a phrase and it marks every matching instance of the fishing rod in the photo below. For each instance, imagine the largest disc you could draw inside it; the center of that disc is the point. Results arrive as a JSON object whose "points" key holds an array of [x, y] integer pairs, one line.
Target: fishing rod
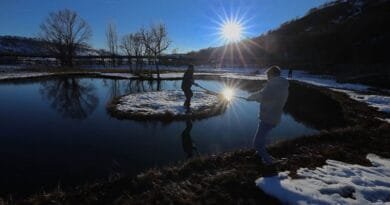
{"points": [[215, 93], [205, 89]]}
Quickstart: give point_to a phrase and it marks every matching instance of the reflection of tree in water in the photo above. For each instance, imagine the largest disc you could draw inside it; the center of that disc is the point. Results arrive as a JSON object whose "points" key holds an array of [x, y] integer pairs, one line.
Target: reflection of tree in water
{"points": [[71, 97], [122, 87], [188, 145]]}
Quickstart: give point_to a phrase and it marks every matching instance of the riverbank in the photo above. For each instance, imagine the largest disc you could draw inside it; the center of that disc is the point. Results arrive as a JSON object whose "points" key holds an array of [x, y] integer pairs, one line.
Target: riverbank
{"points": [[350, 130], [227, 177]]}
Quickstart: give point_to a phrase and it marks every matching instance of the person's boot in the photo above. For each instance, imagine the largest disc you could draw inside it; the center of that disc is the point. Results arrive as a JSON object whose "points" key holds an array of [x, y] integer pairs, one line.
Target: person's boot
{"points": [[187, 107], [269, 171]]}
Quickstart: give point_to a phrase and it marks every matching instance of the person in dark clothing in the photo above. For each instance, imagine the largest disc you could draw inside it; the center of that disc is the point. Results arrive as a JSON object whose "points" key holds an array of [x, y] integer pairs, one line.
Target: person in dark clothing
{"points": [[188, 81]]}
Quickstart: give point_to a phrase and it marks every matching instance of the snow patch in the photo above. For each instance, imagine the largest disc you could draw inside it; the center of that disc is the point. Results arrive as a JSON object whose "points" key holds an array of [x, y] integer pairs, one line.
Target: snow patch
{"points": [[327, 81], [169, 75], [9, 68], [179, 75], [357, 92], [159, 103], [378, 101], [118, 75], [244, 77], [309, 29], [9, 76], [338, 20], [334, 183]]}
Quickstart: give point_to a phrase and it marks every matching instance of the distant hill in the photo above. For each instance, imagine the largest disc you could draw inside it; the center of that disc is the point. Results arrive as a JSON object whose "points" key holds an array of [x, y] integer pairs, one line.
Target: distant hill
{"points": [[340, 35], [21, 45], [17, 45]]}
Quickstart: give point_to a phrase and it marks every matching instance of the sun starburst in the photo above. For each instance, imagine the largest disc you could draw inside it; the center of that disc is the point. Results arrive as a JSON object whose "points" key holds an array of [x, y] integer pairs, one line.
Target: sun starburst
{"points": [[231, 31]]}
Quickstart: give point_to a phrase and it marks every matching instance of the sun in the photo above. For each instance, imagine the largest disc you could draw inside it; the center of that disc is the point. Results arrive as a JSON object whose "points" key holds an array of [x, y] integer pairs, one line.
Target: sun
{"points": [[231, 27], [231, 31]]}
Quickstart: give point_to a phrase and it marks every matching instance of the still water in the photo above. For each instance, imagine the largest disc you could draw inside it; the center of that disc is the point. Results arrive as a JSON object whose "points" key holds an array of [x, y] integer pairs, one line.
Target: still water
{"points": [[58, 132]]}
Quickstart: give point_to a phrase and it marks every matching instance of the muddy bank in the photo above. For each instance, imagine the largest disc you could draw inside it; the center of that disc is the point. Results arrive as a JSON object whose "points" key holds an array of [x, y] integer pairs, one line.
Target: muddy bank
{"points": [[319, 107], [325, 109]]}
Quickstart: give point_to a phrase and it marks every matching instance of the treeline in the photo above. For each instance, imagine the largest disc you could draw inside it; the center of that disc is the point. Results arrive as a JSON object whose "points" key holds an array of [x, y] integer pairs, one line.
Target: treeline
{"points": [[339, 34], [64, 34], [148, 42]]}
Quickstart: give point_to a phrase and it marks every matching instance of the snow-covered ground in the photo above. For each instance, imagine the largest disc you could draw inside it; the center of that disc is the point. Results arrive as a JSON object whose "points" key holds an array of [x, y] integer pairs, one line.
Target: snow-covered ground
{"points": [[334, 183], [326, 81], [118, 75], [10, 68], [159, 103], [244, 77], [355, 91], [6, 76], [169, 75], [379, 101]]}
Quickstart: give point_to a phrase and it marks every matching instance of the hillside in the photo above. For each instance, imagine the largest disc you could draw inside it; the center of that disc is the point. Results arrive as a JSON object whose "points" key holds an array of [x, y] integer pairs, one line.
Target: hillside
{"points": [[17, 45], [21, 45], [339, 34]]}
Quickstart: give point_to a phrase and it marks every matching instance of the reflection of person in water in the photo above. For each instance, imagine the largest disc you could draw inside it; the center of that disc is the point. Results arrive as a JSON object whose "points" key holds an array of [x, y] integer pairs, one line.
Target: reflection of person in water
{"points": [[188, 145]]}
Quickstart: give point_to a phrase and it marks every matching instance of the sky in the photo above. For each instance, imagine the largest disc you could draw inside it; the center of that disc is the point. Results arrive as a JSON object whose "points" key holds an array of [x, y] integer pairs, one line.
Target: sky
{"points": [[191, 24]]}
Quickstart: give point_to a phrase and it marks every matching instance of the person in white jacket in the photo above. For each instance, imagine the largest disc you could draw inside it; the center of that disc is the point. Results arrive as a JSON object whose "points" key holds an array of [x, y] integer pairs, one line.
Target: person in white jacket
{"points": [[272, 99]]}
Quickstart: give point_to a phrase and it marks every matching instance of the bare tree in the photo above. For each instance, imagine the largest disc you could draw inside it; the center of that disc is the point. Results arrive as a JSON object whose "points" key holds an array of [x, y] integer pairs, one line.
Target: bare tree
{"points": [[112, 41], [102, 53], [132, 45], [147, 41], [65, 33], [127, 45], [156, 41]]}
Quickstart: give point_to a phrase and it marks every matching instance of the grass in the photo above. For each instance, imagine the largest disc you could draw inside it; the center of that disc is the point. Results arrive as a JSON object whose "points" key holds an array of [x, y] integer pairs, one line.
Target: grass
{"points": [[228, 177]]}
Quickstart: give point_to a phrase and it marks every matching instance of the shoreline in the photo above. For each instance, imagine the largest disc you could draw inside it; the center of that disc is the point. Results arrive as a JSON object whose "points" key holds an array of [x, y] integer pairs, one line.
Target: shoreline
{"points": [[226, 176], [231, 175]]}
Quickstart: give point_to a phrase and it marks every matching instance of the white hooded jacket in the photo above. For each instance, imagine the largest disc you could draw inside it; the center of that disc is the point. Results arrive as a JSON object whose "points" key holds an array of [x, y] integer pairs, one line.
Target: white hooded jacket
{"points": [[272, 99]]}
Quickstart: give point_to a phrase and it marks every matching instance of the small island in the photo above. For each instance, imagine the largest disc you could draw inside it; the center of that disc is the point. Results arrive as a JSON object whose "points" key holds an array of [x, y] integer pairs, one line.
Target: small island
{"points": [[166, 105]]}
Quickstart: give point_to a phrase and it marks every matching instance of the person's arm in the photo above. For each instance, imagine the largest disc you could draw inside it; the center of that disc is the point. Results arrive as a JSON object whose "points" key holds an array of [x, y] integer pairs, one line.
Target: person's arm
{"points": [[260, 96], [193, 82], [256, 96]]}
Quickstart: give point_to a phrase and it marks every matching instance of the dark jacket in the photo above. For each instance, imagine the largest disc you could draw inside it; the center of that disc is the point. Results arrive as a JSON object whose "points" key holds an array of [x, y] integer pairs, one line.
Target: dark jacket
{"points": [[188, 80]]}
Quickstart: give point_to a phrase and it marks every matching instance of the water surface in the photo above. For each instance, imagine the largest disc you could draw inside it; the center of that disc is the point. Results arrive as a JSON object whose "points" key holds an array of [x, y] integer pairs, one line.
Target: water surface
{"points": [[58, 132]]}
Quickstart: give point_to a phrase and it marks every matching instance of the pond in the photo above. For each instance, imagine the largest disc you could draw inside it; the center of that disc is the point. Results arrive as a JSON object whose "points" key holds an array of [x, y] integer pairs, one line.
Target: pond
{"points": [[58, 132]]}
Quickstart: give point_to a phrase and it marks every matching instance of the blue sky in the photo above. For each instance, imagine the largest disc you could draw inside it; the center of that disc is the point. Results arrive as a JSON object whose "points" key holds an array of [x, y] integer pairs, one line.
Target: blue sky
{"points": [[192, 24]]}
